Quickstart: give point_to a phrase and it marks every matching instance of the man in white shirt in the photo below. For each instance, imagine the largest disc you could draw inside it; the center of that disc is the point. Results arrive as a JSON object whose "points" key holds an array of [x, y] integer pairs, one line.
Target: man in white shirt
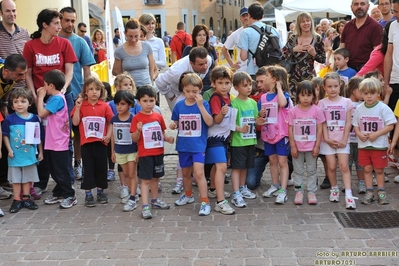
{"points": [[232, 42], [197, 61], [212, 38]]}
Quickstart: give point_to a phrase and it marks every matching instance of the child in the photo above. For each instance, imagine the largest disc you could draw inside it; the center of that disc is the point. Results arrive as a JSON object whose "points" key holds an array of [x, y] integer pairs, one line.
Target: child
{"points": [[122, 82], [22, 161], [218, 136], [274, 106], [56, 121], [341, 58], [373, 121], [93, 115], [337, 111], [305, 131], [386, 93], [243, 138], [352, 92], [148, 130], [123, 150], [192, 118]]}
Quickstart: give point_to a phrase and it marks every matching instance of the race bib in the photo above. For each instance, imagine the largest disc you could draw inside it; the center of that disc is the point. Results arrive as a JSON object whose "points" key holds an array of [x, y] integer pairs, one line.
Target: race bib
{"points": [[250, 121], [305, 129], [370, 124], [153, 136], [189, 125], [271, 110], [93, 126], [335, 117], [122, 134], [32, 133]]}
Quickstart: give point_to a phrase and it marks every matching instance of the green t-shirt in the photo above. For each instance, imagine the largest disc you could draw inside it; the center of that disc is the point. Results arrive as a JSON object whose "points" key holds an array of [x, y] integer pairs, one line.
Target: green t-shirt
{"points": [[247, 112], [207, 95]]}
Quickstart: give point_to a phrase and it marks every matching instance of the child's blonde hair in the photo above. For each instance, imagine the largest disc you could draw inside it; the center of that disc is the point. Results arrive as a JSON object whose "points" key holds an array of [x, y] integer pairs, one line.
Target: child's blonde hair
{"points": [[97, 83], [192, 79], [332, 75], [118, 81], [370, 85], [280, 74]]}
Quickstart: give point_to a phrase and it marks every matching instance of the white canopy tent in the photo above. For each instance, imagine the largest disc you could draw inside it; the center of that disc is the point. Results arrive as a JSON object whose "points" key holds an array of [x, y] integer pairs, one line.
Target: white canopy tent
{"points": [[317, 8]]}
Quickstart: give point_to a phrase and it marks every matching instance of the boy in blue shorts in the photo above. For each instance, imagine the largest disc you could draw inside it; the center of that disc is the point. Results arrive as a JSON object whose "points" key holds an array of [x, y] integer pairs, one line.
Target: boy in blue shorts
{"points": [[192, 118]]}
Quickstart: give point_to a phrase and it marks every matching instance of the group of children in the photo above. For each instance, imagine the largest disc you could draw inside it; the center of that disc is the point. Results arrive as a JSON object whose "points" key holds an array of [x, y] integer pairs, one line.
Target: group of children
{"points": [[220, 132]]}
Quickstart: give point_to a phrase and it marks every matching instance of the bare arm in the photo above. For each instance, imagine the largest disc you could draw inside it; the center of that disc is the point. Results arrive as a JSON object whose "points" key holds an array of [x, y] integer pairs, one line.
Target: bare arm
{"points": [[68, 74], [388, 62], [227, 56], [41, 111], [243, 55], [152, 66], [174, 57], [86, 72], [29, 83], [117, 68], [136, 134]]}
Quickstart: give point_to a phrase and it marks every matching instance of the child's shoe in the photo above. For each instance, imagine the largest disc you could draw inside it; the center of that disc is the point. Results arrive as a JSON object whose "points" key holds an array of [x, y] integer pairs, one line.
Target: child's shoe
{"points": [[362, 188], [183, 200], [205, 209], [124, 191], [130, 206], [334, 195], [281, 197], [246, 193], [271, 192], [146, 213], [178, 188], [224, 207], [111, 175], [102, 198], [312, 200], [77, 169], [1, 213], [238, 201], [382, 198], [16, 205], [89, 201], [298, 198], [368, 198], [159, 204], [68, 203], [350, 203], [50, 200], [29, 204]]}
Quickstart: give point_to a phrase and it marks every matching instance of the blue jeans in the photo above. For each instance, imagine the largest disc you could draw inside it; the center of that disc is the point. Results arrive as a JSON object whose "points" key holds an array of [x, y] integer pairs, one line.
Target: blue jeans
{"points": [[254, 175], [70, 105]]}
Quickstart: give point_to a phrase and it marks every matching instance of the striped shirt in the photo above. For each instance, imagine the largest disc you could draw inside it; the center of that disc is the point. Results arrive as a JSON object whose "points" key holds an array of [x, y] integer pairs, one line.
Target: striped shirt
{"points": [[12, 43]]}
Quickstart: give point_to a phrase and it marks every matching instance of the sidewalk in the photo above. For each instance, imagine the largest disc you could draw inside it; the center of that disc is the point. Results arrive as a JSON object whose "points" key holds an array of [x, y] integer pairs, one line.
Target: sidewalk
{"points": [[261, 234]]}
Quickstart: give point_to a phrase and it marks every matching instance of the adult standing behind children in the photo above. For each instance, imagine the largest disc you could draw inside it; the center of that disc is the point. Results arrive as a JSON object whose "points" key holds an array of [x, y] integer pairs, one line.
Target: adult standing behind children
{"points": [[360, 35], [134, 56], [180, 39], [82, 29], [232, 42], [249, 37]]}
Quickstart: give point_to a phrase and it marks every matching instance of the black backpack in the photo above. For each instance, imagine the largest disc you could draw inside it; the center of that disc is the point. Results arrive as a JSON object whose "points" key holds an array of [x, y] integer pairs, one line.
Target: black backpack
{"points": [[268, 51], [183, 44]]}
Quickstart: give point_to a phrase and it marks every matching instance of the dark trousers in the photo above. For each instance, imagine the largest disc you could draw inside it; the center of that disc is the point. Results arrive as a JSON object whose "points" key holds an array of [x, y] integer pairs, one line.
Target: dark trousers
{"points": [[59, 165], [95, 167], [3, 164]]}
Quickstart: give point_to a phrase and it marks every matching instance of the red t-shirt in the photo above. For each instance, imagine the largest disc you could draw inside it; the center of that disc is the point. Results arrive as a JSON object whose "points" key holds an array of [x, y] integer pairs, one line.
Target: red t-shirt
{"points": [[177, 41], [41, 57], [146, 119], [1, 118], [99, 110], [361, 41]]}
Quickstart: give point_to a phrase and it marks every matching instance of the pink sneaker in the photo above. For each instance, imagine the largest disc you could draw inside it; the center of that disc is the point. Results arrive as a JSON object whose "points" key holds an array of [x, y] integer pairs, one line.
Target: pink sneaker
{"points": [[312, 200], [298, 198]]}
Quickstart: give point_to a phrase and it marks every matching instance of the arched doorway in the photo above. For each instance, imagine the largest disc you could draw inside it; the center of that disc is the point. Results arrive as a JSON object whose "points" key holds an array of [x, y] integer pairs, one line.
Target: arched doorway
{"points": [[211, 23]]}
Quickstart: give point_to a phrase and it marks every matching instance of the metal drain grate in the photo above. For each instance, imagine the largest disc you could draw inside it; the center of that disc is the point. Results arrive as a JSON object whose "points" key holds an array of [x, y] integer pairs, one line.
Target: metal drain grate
{"points": [[368, 220]]}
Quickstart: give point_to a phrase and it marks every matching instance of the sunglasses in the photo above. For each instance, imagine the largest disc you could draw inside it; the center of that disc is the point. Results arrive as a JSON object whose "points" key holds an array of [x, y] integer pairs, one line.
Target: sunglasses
{"points": [[84, 31]]}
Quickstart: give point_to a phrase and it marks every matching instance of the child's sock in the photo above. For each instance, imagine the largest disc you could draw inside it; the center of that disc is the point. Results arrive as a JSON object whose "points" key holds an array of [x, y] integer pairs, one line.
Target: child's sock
{"points": [[219, 201], [241, 188], [361, 181], [278, 186], [236, 193], [348, 193], [381, 189], [153, 200], [334, 188], [206, 200], [132, 197], [25, 197], [189, 193], [99, 190], [88, 193], [144, 206], [212, 189]]}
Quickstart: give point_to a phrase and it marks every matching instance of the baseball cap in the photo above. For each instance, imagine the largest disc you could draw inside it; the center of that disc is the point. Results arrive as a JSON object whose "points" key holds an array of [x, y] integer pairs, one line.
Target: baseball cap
{"points": [[243, 10]]}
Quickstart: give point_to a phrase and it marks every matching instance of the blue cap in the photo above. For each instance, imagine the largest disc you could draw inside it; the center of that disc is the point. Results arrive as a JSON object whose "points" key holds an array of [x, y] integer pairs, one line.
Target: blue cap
{"points": [[243, 10]]}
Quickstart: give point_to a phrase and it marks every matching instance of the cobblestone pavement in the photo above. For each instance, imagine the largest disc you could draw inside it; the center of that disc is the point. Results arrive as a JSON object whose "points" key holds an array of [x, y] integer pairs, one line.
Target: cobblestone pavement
{"points": [[261, 234]]}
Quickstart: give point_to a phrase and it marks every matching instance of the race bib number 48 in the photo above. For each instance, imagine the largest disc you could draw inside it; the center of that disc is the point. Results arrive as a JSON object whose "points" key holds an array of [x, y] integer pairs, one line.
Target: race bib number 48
{"points": [[153, 136]]}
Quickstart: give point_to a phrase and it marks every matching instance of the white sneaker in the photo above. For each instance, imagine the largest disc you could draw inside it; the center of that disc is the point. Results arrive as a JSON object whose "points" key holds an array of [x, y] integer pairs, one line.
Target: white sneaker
{"points": [[125, 199], [124, 191], [290, 182], [213, 195], [224, 207], [130, 206], [183, 200], [238, 201], [138, 191], [247, 193], [281, 197], [396, 179], [205, 209], [178, 187], [271, 192], [334, 195], [350, 203]]}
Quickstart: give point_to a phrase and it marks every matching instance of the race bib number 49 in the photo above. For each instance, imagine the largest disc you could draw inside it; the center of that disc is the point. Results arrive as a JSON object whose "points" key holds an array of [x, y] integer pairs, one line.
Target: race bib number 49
{"points": [[93, 126]]}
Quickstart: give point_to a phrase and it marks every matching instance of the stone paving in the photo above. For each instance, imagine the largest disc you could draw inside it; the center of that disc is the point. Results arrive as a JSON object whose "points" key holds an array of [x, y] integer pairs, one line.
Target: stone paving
{"points": [[261, 234]]}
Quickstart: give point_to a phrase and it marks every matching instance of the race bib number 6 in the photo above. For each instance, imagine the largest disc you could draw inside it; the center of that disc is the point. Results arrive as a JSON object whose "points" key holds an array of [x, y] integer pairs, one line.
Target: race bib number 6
{"points": [[93, 126]]}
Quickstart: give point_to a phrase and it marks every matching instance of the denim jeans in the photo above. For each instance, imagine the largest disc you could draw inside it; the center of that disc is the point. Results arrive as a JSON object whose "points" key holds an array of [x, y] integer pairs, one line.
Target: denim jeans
{"points": [[254, 175], [70, 105]]}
